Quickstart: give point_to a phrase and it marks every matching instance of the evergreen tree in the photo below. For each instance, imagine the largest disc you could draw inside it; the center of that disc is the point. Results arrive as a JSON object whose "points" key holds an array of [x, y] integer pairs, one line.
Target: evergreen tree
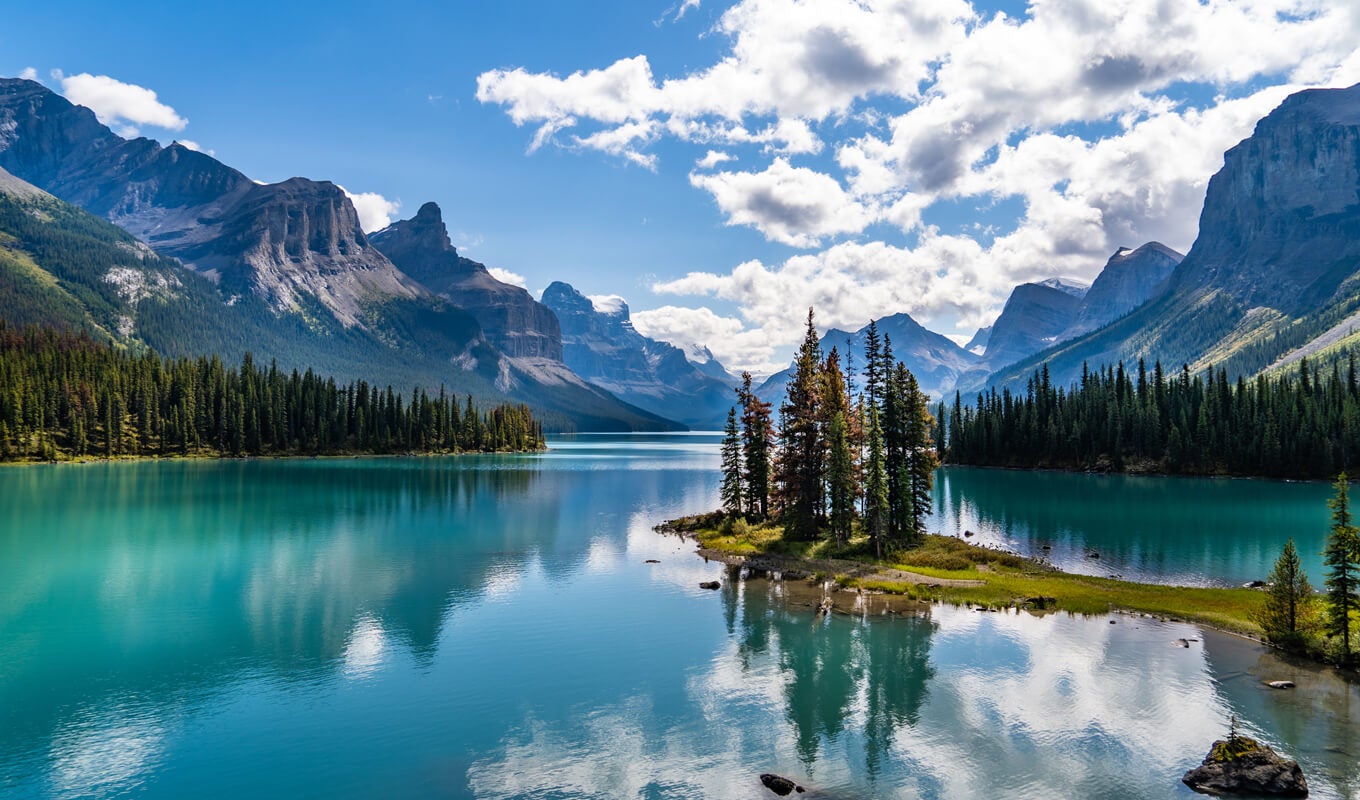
{"points": [[801, 459], [733, 487], [840, 480], [757, 436], [1286, 611], [876, 486], [1342, 558]]}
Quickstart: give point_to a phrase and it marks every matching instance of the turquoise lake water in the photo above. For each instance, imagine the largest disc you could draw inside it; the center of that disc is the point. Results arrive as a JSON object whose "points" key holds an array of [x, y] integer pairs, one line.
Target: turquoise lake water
{"points": [[488, 627]]}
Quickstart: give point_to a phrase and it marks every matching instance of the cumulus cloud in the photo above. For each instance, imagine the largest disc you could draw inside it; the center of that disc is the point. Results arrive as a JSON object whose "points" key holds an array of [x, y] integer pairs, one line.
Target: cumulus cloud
{"points": [[607, 303], [29, 74], [125, 107], [195, 146], [506, 276], [1098, 123], [793, 205], [728, 338], [375, 211]]}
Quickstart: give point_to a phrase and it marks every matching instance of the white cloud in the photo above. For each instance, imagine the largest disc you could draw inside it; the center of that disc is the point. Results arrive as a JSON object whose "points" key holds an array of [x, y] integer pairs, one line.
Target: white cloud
{"points": [[1097, 122], [713, 159], [375, 211], [788, 204], [29, 74], [506, 276], [125, 107], [607, 303], [727, 338], [196, 147]]}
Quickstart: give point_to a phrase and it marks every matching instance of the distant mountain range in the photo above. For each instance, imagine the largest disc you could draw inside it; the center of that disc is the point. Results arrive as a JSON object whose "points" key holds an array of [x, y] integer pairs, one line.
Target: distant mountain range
{"points": [[284, 270], [600, 343], [169, 248]]}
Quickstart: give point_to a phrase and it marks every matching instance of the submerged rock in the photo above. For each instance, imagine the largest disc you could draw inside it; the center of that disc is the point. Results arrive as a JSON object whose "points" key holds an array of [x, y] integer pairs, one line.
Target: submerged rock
{"points": [[1240, 765], [1280, 684], [779, 784], [710, 585]]}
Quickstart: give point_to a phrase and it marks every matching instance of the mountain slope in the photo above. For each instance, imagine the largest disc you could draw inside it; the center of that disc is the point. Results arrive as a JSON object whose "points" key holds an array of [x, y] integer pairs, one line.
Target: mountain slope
{"points": [[1035, 316], [601, 345], [1275, 264], [1129, 279], [936, 361], [511, 318], [289, 258]]}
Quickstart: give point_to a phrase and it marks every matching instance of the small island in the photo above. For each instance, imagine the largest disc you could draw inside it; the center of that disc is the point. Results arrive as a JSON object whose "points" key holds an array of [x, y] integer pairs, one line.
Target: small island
{"points": [[840, 492]]}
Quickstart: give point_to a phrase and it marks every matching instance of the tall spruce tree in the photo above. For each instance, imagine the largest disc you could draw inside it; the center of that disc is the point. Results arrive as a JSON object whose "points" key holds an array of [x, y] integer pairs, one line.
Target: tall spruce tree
{"points": [[757, 434], [801, 460], [1288, 602], [1342, 558], [840, 479], [876, 486], [733, 487]]}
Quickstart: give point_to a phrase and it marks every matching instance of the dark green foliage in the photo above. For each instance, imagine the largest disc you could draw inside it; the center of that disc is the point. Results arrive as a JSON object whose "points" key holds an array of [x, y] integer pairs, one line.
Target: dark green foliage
{"points": [[733, 491], [840, 478], [1342, 558], [757, 434], [1287, 612], [67, 395], [801, 462], [1301, 425]]}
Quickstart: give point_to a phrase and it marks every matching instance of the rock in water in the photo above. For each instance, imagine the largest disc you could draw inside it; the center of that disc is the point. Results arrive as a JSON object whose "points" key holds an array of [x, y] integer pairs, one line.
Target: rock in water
{"points": [[779, 784], [1245, 766], [710, 585]]}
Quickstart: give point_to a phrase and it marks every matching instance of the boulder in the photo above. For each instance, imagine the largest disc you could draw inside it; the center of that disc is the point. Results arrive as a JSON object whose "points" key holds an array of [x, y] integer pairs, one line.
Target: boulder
{"points": [[1280, 684], [1242, 766], [779, 784]]}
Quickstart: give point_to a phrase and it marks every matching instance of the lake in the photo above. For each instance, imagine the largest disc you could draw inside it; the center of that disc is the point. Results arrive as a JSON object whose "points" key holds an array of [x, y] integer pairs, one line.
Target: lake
{"points": [[487, 626]]}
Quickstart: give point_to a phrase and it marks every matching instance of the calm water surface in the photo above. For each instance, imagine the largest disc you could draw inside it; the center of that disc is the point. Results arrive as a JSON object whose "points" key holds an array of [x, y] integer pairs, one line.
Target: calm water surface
{"points": [[487, 627]]}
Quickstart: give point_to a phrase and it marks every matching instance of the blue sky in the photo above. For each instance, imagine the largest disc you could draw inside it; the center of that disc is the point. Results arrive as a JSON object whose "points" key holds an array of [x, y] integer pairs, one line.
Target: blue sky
{"points": [[871, 157]]}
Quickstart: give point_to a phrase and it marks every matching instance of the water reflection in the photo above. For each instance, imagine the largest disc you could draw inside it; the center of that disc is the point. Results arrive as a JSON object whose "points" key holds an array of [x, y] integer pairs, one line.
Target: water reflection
{"points": [[1187, 531]]}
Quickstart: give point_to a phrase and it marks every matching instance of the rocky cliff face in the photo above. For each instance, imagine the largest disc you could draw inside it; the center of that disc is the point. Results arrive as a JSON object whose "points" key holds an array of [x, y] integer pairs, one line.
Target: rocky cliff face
{"points": [[1277, 257], [287, 243], [936, 361], [1034, 317], [511, 318], [599, 342], [1129, 279]]}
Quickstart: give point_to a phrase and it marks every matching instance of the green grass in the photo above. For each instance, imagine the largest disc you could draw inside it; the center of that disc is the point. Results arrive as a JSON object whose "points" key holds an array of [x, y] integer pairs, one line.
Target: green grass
{"points": [[1007, 580]]}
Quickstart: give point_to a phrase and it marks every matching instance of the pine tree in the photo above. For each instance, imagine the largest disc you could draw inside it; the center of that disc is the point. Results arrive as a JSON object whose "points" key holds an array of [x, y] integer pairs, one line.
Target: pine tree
{"points": [[801, 458], [1286, 611], [757, 434], [1342, 558], [840, 480], [733, 489], [876, 486]]}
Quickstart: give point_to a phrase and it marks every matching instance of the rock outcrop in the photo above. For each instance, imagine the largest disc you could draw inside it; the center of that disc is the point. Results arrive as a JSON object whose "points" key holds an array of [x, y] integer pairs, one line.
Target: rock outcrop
{"points": [[513, 321], [1242, 766], [600, 343]]}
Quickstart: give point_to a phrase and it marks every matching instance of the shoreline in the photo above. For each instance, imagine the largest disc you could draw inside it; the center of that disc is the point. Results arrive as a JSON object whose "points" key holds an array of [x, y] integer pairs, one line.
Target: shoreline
{"points": [[130, 459], [993, 581], [1127, 474]]}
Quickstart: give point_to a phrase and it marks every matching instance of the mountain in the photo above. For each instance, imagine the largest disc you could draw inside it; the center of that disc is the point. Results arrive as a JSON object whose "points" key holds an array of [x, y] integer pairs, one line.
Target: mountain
{"points": [[978, 344], [599, 342], [294, 259], [1034, 317], [516, 323], [935, 360], [1275, 266], [1129, 279]]}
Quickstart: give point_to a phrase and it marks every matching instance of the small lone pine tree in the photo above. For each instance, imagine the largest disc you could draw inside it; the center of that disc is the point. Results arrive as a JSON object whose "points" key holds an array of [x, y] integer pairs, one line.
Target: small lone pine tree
{"points": [[1285, 613]]}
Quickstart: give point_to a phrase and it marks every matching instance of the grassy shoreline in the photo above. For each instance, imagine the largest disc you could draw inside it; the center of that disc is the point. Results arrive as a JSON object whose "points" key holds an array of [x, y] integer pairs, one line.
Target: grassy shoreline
{"points": [[210, 456], [950, 570]]}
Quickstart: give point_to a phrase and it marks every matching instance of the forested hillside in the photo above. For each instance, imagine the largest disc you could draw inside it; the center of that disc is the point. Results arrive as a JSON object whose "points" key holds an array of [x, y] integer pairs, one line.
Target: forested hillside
{"points": [[65, 395]]}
